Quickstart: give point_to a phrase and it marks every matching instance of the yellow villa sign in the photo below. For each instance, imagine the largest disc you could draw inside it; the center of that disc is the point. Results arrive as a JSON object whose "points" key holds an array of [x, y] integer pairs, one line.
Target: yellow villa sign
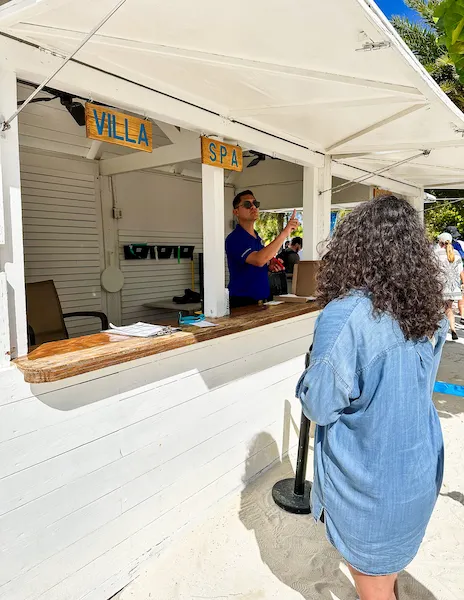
{"points": [[108, 125], [222, 155]]}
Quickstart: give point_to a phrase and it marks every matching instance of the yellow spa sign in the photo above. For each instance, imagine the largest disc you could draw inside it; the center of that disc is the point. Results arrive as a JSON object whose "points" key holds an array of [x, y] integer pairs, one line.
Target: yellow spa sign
{"points": [[222, 155], [108, 125]]}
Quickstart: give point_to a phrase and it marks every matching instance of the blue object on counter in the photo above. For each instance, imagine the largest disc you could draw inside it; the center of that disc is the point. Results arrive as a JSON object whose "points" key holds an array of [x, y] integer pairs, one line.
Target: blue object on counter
{"points": [[441, 387], [190, 319]]}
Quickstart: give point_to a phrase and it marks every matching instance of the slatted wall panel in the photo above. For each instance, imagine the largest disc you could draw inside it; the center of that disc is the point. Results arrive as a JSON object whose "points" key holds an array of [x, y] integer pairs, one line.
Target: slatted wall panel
{"points": [[62, 233], [152, 280]]}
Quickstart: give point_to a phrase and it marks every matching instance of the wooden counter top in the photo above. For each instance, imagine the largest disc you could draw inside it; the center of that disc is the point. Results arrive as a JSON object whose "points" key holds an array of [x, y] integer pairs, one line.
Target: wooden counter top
{"points": [[58, 360]]}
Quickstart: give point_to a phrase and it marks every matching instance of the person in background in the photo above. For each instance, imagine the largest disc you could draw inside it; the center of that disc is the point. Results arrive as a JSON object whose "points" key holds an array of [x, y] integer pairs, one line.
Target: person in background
{"points": [[378, 447], [452, 276], [290, 257], [458, 244], [248, 259]]}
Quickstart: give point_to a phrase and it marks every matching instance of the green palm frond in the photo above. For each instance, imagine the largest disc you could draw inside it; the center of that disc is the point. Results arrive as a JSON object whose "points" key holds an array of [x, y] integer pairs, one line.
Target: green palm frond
{"points": [[426, 9], [422, 40], [449, 16]]}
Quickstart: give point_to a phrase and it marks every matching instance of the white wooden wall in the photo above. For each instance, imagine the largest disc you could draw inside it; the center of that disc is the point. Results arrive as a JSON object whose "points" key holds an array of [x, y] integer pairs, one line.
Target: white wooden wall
{"points": [[158, 209], [62, 232], [153, 280], [101, 471]]}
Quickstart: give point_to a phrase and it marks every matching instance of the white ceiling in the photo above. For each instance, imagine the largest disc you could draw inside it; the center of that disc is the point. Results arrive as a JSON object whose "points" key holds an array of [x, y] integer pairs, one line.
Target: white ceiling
{"points": [[296, 72]]}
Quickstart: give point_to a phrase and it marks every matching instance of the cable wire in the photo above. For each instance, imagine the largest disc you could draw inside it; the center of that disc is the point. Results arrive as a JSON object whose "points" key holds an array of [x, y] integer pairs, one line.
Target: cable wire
{"points": [[348, 184], [7, 124]]}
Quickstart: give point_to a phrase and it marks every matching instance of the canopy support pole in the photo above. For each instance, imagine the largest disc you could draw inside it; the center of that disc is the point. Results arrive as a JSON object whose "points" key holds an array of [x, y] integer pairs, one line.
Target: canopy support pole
{"points": [[317, 200], [418, 202], [213, 241], [13, 329]]}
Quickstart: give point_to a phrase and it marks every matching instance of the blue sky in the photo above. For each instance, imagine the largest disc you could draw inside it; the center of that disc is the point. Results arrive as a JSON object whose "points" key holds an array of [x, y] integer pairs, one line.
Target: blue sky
{"points": [[395, 7]]}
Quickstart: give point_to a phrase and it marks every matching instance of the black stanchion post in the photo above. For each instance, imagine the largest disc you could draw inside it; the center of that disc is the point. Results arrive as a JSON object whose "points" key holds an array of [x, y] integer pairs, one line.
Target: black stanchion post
{"points": [[293, 495]]}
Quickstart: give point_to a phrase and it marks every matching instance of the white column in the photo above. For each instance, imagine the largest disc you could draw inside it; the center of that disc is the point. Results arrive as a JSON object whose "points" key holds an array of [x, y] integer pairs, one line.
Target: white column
{"points": [[316, 208], [11, 246], [213, 241], [418, 202], [110, 245]]}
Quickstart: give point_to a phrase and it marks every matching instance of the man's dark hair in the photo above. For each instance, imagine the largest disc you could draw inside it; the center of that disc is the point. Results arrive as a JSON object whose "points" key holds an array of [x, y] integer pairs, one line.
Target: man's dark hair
{"points": [[297, 240], [239, 196]]}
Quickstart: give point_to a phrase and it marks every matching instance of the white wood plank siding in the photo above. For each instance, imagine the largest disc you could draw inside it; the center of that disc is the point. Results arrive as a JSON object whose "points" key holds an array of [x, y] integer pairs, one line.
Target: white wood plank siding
{"points": [[62, 232], [151, 280], [100, 472]]}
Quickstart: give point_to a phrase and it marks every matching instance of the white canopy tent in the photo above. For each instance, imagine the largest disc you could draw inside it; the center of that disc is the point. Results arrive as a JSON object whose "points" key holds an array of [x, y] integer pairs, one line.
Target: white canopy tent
{"points": [[319, 78]]}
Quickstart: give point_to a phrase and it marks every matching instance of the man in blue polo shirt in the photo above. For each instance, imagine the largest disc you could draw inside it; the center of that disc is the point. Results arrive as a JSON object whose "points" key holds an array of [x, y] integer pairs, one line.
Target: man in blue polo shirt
{"points": [[247, 257]]}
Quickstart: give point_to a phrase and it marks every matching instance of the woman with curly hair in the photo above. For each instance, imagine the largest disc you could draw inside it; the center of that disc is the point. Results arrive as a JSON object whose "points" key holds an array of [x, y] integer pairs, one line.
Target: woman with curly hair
{"points": [[377, 344]]}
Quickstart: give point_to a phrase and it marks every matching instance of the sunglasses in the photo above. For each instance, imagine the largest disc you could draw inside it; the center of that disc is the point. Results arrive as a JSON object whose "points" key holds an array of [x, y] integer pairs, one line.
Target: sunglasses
{"points": [[248, 204]]}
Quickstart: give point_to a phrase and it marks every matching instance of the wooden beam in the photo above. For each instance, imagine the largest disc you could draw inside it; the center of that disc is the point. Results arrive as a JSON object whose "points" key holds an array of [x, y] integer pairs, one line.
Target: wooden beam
{"points": [[26, 141], [172, 132], [95, 150], [378, 125], [160, 157], [33, 65]]}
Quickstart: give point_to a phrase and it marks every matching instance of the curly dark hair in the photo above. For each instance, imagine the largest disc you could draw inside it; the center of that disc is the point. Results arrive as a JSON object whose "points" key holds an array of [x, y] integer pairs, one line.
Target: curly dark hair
{"points": [[381, 249]]}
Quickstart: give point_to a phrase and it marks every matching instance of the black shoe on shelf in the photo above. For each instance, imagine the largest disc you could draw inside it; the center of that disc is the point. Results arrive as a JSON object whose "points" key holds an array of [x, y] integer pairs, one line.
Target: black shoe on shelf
{"points": [[454, 336], [189, 297]]}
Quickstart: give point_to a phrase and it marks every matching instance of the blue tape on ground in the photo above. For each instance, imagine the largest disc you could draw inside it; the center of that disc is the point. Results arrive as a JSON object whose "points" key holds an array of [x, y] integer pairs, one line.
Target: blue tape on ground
{"points": [[442, 387]]}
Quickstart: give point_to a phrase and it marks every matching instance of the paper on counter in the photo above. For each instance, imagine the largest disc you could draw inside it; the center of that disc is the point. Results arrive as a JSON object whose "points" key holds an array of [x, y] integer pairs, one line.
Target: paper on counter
{"points": [[140, 329], [274, 302], [204, 324]]}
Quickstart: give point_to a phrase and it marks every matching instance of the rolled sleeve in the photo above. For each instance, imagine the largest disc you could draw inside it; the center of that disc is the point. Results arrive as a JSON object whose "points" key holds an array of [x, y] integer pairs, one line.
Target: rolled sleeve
{"points": [[323, 393]]}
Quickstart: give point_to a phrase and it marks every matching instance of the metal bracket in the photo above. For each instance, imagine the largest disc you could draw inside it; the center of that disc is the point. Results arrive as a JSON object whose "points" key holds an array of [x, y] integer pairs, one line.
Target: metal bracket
{"points": [[371, 45]]}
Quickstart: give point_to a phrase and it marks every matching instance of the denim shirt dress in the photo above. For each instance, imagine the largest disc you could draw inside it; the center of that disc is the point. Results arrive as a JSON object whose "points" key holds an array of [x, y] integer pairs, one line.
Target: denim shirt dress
{"points": [[378, 459]]}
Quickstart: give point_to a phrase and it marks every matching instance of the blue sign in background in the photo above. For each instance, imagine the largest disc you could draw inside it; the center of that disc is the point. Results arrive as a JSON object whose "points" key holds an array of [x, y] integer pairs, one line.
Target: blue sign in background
{"points": [[333, 220], [441, 387]]}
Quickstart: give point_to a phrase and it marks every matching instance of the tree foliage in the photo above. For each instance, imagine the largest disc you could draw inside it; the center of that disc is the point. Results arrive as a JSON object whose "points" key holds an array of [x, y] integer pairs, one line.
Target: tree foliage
{"points": [[426, 41], [449, 17], [443, 215], [429, 41], [269, 225]]}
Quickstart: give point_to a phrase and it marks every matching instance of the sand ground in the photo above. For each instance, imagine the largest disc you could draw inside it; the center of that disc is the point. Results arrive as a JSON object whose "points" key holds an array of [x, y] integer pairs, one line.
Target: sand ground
{"points": [[248, 549]]}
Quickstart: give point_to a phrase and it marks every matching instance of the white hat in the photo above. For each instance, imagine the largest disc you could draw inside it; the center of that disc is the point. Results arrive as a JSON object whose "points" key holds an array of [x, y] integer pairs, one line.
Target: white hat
{"points": [[445, 237]]}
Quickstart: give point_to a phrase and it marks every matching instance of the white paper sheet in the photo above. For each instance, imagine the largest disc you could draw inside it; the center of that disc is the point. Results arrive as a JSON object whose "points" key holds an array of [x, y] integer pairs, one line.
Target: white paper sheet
{"points": [[139, 330], [204, 324]]}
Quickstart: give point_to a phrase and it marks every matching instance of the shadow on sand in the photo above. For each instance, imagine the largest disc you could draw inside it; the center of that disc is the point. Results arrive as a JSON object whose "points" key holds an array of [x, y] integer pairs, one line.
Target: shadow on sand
{"points": [[294, 547]]}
